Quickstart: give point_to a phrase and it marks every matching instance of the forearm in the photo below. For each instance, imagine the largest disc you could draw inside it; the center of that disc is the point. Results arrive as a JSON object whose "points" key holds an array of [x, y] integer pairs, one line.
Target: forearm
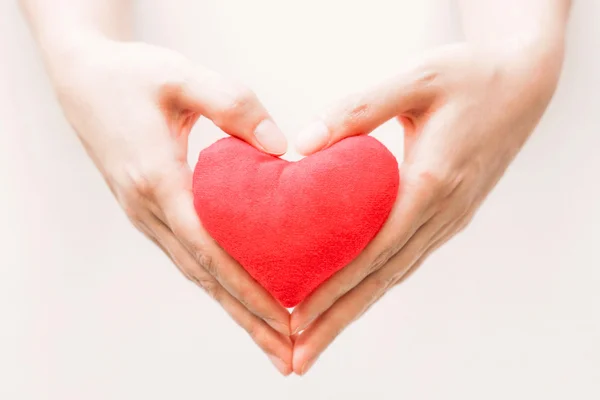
{"points": [[63, 27], [532, 32], [61, 20], [525, 20]]}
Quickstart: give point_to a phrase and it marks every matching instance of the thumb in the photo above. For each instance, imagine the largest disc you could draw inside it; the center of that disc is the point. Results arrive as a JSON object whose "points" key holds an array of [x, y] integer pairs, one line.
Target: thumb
{"points": [[232, 107], [362, 113]]}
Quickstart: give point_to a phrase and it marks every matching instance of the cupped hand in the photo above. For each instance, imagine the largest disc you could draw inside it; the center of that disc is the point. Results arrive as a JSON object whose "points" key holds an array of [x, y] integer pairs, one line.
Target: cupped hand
{"points": [[133, 106], [466, 112]]}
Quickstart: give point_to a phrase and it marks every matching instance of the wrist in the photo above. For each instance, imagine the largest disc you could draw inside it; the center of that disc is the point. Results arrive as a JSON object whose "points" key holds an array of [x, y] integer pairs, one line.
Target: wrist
{"points": [[65, 53]]}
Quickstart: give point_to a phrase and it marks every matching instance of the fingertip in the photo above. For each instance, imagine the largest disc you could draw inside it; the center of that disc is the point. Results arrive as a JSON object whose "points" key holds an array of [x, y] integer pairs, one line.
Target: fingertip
{"points": [[282, 355], [313, 138], [302, 361], [298, 358], [307, 366], [270, 138], [284, 368]]}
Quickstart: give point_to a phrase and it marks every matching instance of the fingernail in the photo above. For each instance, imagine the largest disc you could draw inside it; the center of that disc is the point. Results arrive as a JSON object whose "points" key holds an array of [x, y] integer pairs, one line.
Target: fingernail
{"points": [[280, 365], [307, 366], [270, 137], [312, 138]]}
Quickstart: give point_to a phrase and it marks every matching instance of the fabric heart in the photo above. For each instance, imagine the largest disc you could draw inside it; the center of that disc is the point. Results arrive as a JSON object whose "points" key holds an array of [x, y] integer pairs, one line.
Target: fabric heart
{"points": [[291, 225]]}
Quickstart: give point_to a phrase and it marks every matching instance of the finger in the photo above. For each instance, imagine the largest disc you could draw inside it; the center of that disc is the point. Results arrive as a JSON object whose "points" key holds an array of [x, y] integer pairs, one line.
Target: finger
{"points": [[412, 210], [232, 107], [149, 234], [319, 335], [436, 244], [450, 226], [277, 346], [181, 217], [408, 92], [148, 226]]}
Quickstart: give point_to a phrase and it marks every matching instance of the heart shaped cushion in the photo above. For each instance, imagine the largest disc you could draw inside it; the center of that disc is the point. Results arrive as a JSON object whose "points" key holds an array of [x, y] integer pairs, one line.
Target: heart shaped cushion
{"points": [[291, 225]]}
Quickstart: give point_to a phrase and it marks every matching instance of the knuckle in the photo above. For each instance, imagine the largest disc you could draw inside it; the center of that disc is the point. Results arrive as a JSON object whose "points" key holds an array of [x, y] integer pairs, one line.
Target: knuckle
{"points": [[383, 257], [435, 183], [210, 286], [437, 180], [355, 109], [376, 264], [238, 100], [208, 263], [141, 181], [133, 213], [382, 282], [426, 77]]}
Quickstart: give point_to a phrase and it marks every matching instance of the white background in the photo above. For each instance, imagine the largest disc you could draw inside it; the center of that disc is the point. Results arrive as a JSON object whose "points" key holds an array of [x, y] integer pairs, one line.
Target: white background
{"points": [[90, 310]]}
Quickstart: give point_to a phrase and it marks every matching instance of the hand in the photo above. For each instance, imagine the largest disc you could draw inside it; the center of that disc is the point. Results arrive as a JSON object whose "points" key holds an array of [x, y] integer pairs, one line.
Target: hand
{"points": [[466, 112], [133, 106]]}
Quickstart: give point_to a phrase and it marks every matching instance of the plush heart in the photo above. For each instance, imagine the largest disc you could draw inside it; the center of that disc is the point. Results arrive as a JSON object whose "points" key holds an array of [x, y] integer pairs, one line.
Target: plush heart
{"points": [[291, 225]]}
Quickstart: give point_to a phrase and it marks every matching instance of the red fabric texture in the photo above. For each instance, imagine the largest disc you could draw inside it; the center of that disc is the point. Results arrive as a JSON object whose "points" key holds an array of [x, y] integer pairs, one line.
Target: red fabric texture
{"points": [[292, 225]]}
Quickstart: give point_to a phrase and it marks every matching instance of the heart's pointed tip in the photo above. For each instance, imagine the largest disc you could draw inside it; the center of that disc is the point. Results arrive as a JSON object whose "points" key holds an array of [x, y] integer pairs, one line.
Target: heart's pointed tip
{"points": [[312, 138], [289, 303]]}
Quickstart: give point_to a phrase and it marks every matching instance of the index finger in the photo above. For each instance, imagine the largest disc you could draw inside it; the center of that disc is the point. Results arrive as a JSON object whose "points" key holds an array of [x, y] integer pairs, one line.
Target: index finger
{"points": [[360, 114], [232, 107]]}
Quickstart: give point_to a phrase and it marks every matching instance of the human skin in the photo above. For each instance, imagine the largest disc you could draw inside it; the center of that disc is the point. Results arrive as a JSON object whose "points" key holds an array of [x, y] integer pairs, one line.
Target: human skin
{"points": [[467, 109], [133, 106]]}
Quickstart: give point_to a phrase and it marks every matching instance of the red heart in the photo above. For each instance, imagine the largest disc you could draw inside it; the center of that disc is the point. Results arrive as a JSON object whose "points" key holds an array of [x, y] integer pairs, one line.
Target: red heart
{"points": [[291, 225]]}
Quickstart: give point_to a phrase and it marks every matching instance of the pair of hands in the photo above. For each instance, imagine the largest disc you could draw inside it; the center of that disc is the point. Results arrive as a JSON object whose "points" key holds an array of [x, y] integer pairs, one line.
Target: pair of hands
{"points": [[466, 112]]}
